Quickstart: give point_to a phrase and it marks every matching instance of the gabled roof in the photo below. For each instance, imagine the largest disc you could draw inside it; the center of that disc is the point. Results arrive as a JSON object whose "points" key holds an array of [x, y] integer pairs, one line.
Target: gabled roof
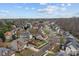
{"points": [[61, 53], [8, 33], [5, 51]]}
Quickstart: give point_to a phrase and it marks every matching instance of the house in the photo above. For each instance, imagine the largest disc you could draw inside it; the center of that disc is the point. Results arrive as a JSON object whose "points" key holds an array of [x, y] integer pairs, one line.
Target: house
{"points": [[61, 31], [35, 25], [33, 31], [19, 44], [13, 26], [38, 36], [13, 45], [6, 52], [8, 35], [61, 53], [16, 45], [52, 23], [26, 35], [66, 33], [41, 26], [31, 44], [41, 34], [71, 50], [28, 26], [78, 51]]}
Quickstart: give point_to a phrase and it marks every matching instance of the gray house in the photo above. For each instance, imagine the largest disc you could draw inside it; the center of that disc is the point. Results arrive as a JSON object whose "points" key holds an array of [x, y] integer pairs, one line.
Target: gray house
{"points": [[26, 35], [6, 52]]}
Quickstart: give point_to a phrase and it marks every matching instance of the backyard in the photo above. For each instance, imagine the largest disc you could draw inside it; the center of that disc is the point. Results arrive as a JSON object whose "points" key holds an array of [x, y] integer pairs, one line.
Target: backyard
{"points": [[39, 43]]}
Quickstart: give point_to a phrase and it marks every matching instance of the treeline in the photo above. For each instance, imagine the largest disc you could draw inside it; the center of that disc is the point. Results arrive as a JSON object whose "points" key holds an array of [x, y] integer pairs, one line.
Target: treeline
{"points": [[69, 24]]}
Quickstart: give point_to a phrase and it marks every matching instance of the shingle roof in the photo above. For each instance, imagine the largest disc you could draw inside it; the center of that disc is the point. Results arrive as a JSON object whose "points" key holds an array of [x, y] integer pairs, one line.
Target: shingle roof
{"points": [[4, 51]]}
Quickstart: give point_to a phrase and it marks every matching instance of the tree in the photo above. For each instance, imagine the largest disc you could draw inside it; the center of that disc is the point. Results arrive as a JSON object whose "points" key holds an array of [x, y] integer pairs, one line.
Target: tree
{"points": [[2, 36], [62, 40]]}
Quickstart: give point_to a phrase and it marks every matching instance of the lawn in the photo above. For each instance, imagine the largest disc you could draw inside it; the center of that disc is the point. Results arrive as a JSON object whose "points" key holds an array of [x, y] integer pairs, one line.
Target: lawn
{"points": [[26, 52], [50, 54]]}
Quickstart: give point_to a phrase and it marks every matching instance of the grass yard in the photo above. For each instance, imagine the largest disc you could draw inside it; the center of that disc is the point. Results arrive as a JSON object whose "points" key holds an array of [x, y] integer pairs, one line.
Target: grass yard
{"points": [[50, 54], [26, 52]]}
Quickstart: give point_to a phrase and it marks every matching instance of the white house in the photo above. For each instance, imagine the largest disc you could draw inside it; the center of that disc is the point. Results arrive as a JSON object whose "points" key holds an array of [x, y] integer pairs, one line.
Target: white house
{"points": [[52, 23], [39, 37], [62, 53], [28, 26], [71, 50], [26, 35]]}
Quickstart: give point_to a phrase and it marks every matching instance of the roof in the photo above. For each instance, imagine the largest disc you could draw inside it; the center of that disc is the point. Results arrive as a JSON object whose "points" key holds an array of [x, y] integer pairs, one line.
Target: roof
{"points": [[61, 53], [19, 43], [72, 48], [73, 41], [25, 35], [13, 45], [5, 52], [8, 33]]}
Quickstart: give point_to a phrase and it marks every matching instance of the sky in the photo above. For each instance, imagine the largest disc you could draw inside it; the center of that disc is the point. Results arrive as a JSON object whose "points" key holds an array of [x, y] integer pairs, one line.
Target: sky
{"points": [[39, 10]]}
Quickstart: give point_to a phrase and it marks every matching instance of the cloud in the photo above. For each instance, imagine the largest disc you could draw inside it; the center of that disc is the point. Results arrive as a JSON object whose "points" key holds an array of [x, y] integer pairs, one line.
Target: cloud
{"points": [[43, 3], [49, 9], [62, 4], [4, 11], [56, 11], [63, 9], [26, 8], [68, 4], [1, 14], [76, 13], [29, 8], [32, 8], [52, 9], [19, 6]]}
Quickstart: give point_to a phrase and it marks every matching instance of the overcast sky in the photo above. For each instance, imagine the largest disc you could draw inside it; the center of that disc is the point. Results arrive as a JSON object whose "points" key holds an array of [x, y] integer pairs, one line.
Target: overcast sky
{"points": [[38, 10]]}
